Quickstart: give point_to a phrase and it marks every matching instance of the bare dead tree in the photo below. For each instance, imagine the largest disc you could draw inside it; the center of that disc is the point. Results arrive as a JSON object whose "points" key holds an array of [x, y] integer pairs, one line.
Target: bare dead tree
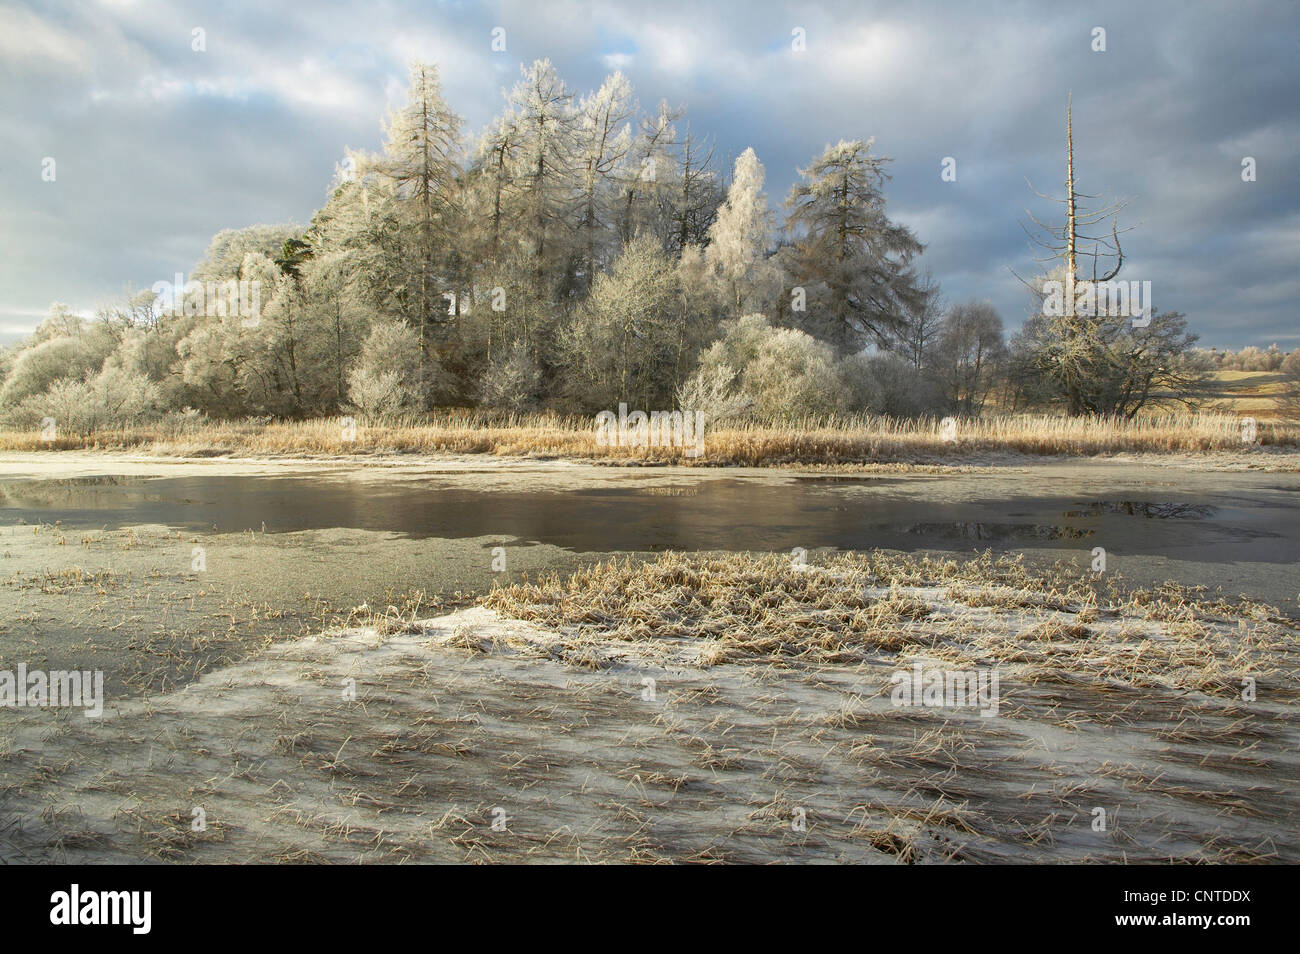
{"points": [[1066, 244]]}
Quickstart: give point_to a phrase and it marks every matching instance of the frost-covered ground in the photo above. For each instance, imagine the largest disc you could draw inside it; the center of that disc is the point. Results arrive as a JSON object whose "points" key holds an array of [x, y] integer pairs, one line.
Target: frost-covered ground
{"points": [[472, 737]]}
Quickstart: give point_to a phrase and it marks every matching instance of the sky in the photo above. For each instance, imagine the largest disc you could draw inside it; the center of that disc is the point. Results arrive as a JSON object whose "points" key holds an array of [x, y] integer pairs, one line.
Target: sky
{"points": [[158, 145]]}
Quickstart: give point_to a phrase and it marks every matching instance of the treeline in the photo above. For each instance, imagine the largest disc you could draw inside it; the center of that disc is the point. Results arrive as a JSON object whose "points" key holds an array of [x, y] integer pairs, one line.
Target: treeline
{"points": [[1251, 358], [579, 253]]}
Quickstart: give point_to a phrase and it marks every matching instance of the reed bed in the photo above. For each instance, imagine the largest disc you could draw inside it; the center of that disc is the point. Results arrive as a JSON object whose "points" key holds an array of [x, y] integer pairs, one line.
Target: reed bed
{"points": [[814, 440]]}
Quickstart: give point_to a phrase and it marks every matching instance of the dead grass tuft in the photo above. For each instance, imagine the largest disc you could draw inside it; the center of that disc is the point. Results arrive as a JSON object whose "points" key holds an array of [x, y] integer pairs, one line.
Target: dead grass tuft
{"points": [[1052, 625]]}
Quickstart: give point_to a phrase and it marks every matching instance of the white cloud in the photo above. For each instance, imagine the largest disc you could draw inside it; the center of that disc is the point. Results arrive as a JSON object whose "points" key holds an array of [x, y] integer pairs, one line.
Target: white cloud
{"points": [[28, 41]]}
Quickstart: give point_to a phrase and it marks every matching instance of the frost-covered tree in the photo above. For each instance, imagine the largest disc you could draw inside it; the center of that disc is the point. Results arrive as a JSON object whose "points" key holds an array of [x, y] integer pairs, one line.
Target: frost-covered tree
{"points": [[511, 381], [793, 375], [650, 168], [622, 343], [35, 369], [136, 311], [213, 368], [489, 189], [543, 174], [389, 379], [337, 320], [421, 162], [854, 264], [64, 347], [1118, 370], [602, 139], [224, 258], [692, 196], [740, 236]]}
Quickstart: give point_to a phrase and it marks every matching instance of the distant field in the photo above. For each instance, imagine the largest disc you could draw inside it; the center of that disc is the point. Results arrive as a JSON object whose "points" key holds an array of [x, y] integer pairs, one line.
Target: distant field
{"points": [[1247, 392]]}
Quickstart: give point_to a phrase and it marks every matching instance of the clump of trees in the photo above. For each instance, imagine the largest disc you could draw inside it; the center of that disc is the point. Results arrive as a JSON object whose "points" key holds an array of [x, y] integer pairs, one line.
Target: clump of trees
{"points": [[577, 253], [1250, 358]]}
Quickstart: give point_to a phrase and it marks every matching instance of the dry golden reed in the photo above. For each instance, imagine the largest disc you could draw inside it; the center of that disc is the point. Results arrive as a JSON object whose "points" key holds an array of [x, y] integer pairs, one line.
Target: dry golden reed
{"points": [[824, 440]]}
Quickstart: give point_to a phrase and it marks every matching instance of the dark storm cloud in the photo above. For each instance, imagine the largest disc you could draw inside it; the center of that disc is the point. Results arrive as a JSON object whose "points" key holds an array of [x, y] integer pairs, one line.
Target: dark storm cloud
{"points": [[158, 146]]}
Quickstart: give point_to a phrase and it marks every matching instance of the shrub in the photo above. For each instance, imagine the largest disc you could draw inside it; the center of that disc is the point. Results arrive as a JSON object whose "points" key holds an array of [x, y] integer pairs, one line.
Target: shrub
{"points": [[781, 372], [388, 380]]}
